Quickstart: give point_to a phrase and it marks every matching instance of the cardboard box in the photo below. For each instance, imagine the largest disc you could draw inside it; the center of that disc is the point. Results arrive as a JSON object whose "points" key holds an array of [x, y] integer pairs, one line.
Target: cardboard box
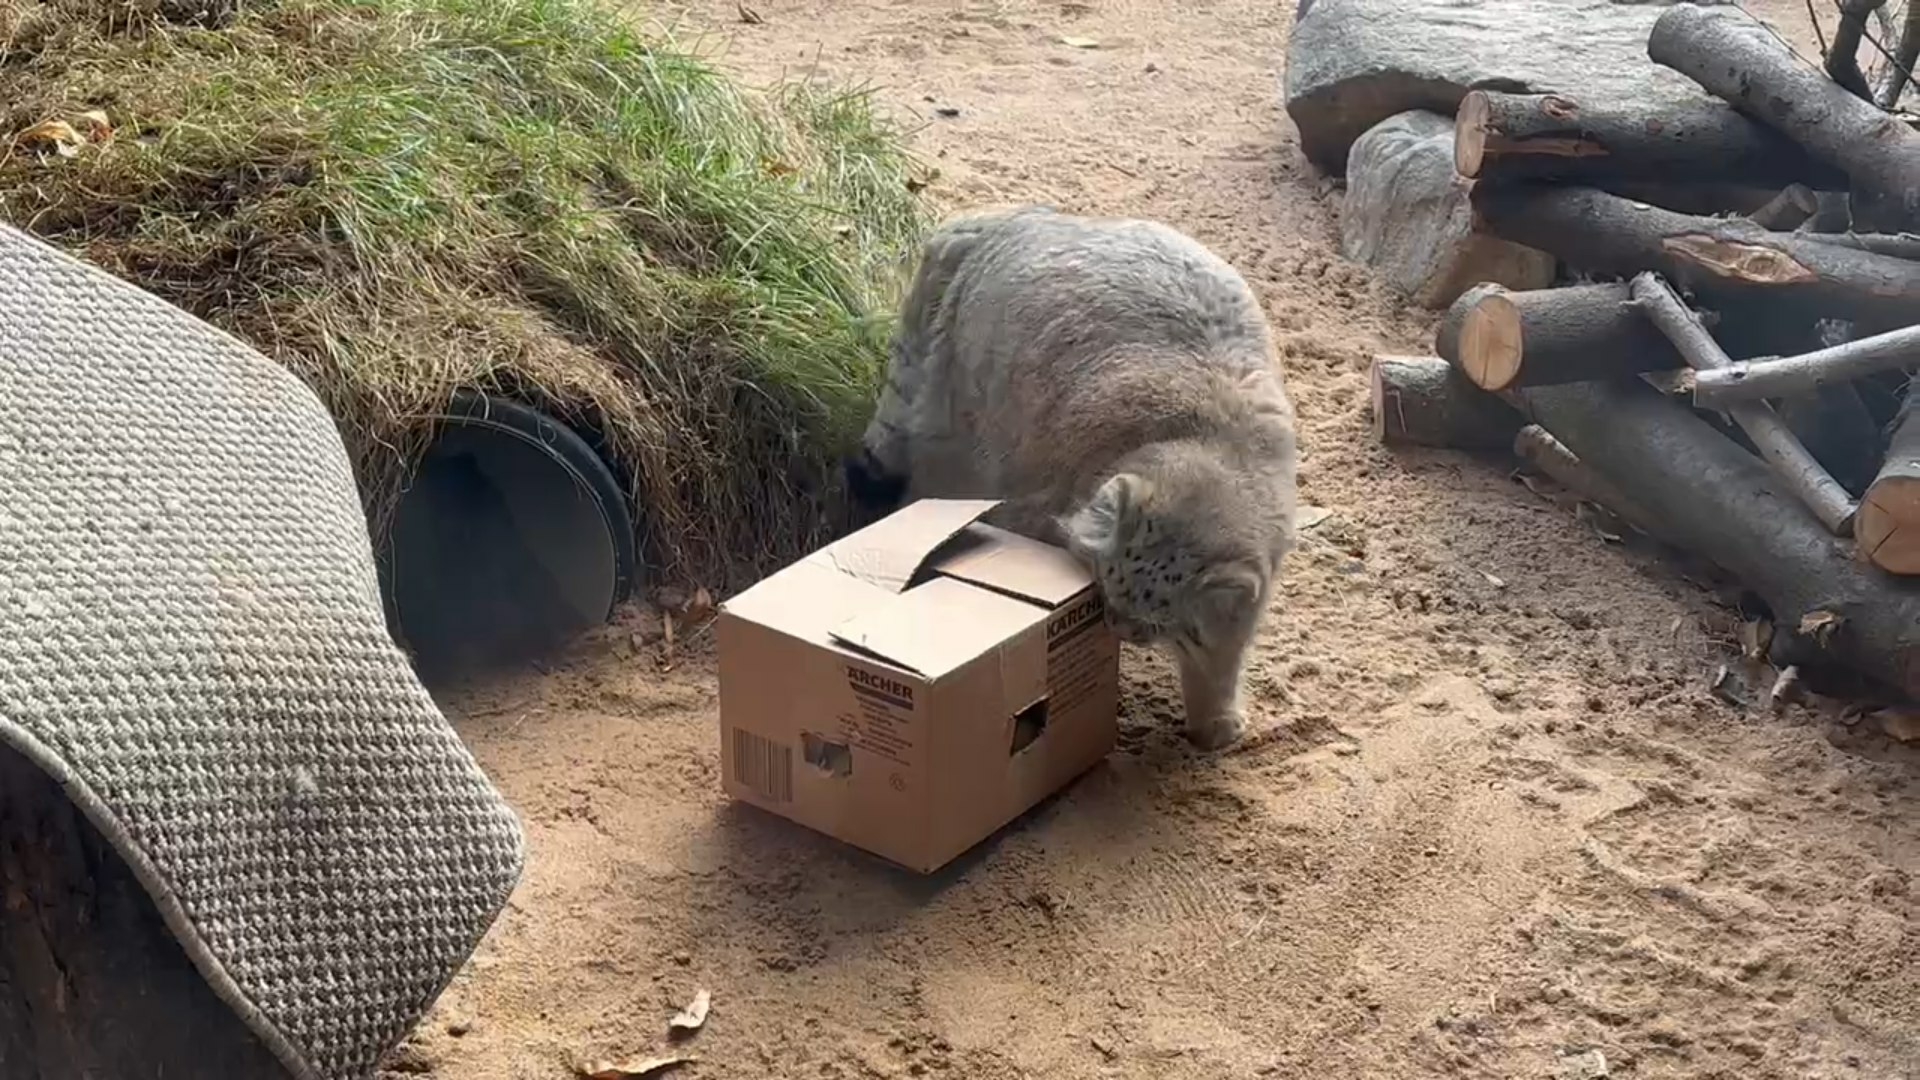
{"points": [[916, 685]]}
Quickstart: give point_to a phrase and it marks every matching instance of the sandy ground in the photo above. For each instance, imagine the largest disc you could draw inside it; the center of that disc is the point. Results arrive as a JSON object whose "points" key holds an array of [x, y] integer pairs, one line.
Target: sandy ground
{"points": [[1494, 820]]}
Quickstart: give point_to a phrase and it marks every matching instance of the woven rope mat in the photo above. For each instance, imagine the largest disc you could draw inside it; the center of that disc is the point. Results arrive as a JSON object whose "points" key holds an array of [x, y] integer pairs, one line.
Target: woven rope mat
{"points": [[192, 643]]}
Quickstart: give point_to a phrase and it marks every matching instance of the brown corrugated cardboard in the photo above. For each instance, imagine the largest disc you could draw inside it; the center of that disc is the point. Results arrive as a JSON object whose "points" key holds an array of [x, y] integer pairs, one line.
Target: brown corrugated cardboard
{"points": [[915, 686]]}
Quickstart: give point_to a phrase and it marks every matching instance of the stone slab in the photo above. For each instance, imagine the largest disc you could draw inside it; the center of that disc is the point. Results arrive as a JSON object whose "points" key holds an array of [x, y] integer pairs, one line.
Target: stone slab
{"points": [[1353, 63], [1407, 216]]}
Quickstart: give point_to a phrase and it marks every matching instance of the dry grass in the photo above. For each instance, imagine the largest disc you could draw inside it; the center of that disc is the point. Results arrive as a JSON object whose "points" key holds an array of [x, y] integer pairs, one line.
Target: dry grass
{"points": [[396, 198]]}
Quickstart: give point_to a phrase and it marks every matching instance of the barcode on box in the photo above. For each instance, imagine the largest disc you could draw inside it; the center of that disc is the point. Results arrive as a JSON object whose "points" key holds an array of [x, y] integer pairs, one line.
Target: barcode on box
{"points": [[762, 765]]}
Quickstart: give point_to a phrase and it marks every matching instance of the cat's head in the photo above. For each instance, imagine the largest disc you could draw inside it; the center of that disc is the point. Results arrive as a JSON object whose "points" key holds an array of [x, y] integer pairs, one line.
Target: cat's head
{"points": [[1180, 555]]}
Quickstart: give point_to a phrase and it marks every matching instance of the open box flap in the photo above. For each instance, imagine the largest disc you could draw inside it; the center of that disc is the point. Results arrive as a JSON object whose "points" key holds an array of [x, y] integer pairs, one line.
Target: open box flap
{"points": [[1014, 564], [936, 628], [891, 551], [806, 601]]}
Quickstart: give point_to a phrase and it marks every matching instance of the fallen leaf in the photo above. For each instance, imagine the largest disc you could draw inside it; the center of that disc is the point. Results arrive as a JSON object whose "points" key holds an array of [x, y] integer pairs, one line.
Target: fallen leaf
{"points": [[748, 15], [1309, 516], [633, 1068], [1785, 688], [1080, 42], [688, 1020], [1901, 724], [1493, 581], [1820, 626], [57, 134], [99, 129]]}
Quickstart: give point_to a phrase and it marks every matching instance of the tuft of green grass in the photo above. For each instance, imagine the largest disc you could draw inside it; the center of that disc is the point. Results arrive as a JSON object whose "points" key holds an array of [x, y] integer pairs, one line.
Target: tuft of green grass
{"points": [[397, 198]]}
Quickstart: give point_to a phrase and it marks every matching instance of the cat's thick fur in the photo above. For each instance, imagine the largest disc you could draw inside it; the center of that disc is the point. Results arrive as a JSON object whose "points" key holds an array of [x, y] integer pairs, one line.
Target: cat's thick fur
{"points": [[1115, 381]]}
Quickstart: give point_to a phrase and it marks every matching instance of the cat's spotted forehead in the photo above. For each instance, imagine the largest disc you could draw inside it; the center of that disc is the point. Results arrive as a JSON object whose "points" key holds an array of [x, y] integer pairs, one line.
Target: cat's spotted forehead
{"points": [[1159, 541], [1138, 555]]}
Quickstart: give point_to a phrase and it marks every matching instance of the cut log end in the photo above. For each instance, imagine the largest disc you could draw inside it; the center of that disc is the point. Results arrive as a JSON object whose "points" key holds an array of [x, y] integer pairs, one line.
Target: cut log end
{"points": [[1379, 396], [1470, 133], [1491, 343], [1887, 528]]}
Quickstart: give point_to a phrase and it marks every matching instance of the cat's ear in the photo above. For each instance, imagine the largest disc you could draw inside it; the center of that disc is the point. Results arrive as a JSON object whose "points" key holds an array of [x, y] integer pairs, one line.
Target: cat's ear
{"points": [[1230, 595], [1095, 529]]}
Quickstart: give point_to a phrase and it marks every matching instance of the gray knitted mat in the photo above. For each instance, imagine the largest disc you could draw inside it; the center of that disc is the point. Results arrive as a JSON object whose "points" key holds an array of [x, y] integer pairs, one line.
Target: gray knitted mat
{"points": [[192, 644]]}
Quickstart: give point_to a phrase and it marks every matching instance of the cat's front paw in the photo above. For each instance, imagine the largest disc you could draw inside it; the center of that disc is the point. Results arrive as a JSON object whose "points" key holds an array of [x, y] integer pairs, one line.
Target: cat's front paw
{"points": [[1216, 732]]}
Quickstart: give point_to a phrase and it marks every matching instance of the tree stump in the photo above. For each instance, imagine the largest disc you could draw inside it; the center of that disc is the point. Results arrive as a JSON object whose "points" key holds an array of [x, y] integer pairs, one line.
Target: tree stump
{"points": [[92, 984]]}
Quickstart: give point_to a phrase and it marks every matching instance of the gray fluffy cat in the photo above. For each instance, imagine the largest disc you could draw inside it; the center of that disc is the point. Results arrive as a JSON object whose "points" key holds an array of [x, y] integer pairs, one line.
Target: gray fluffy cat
{"points": [[1115, 382]]}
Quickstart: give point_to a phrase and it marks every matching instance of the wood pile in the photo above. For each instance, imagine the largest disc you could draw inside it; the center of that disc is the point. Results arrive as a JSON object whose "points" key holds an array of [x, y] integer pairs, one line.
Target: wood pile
{"points": [[1766, 425]]}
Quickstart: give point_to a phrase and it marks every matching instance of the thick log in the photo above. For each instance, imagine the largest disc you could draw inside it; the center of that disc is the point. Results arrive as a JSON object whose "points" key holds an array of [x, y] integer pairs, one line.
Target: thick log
{"points": [[91, 982], [1888, 528], [1557, 137], [1788, 210], [1716, 500], [1737, 59], [1423, 401], [1728, 258], [1501, 339], [1755, 380], [1798, 469]]}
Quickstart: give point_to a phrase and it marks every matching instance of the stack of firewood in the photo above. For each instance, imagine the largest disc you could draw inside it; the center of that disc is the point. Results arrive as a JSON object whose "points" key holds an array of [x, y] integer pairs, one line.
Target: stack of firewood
{"points": [[1771, 431]]}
